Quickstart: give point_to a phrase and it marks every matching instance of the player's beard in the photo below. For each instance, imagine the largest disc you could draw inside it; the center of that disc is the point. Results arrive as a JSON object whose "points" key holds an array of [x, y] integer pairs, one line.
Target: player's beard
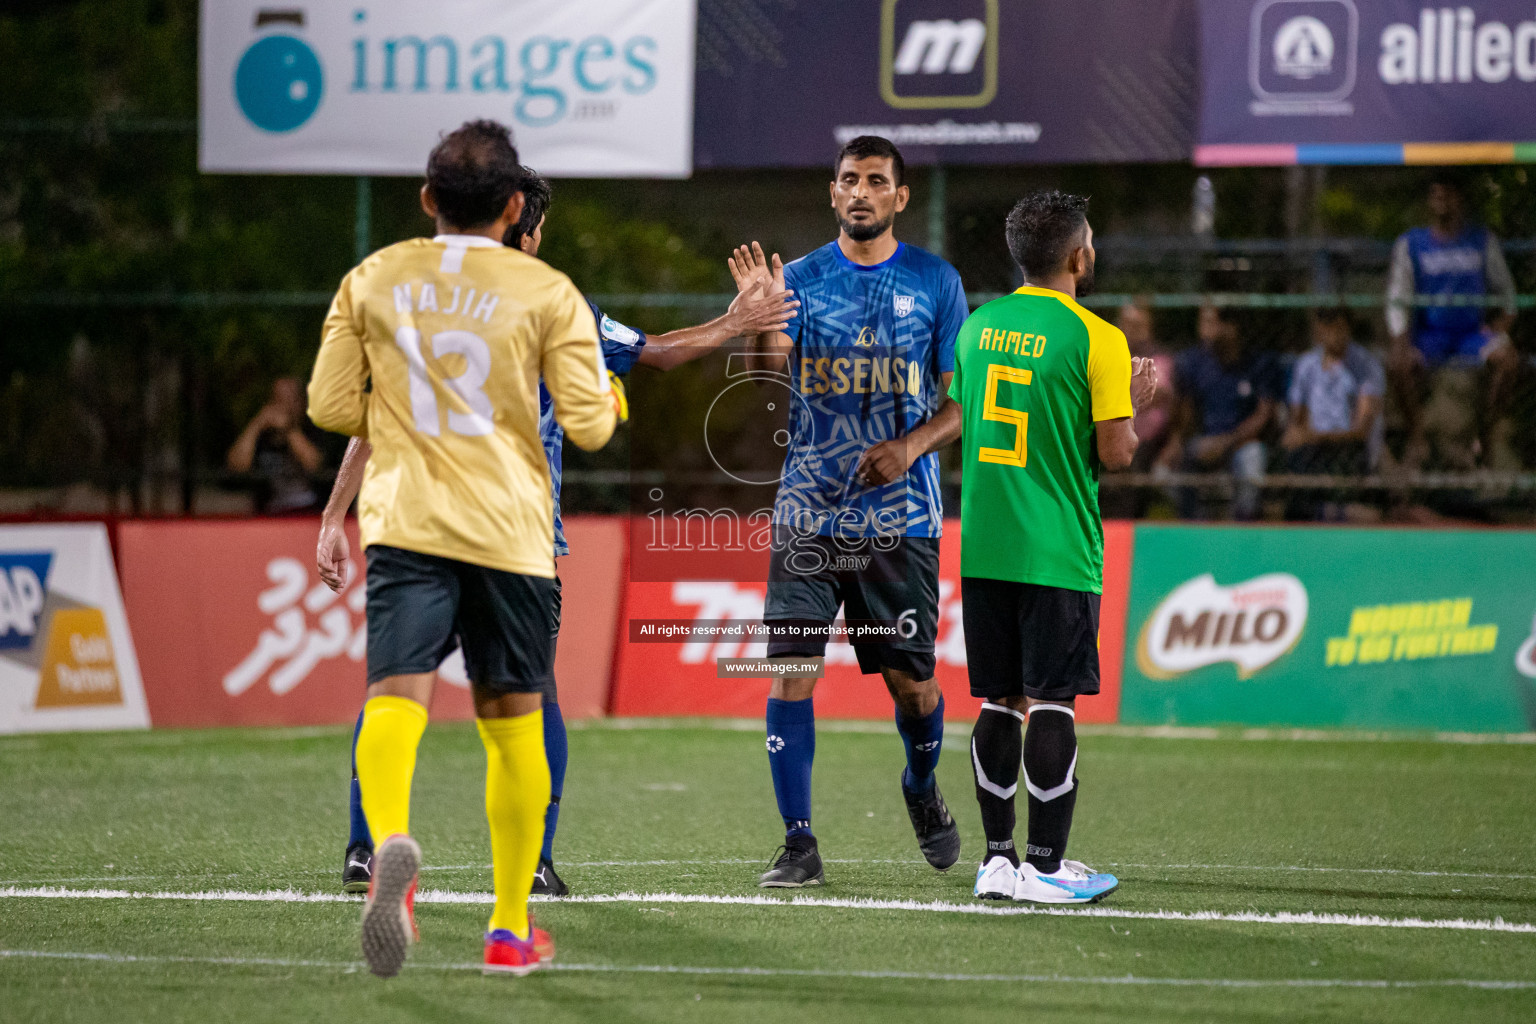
{"points": [[1085, 283], [866, 230]]}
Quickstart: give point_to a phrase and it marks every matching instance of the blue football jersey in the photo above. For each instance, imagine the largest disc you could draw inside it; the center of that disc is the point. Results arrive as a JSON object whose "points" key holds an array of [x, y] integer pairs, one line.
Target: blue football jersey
{"points": [[871, 346], [621, 348]]}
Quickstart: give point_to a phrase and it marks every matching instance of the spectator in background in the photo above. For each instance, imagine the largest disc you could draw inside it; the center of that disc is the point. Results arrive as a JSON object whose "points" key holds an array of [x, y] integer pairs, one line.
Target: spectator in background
{"points": [[1449, 257], [1227, 400], [276, 449], [1335, 403], [1152, 420]]}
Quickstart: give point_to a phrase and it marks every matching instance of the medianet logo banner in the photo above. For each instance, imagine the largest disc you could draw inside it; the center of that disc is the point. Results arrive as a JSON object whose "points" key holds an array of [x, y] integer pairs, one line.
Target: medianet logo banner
{"points": [[591, 88]]}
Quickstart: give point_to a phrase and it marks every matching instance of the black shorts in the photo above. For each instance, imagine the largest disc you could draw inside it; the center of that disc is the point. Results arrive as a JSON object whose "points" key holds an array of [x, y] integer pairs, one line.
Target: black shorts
{"points": [[1025, 640], [420, 605], [552, 695], [809, 580]]}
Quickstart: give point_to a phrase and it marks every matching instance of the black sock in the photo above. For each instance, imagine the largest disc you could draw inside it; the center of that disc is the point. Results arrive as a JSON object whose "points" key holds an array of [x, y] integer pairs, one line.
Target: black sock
{"points": [[996, 743], [1050, 755]]}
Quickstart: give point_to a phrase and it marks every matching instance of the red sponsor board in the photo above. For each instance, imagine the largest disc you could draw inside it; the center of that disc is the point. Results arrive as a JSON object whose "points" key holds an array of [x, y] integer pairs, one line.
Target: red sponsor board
{"points": [[679, 678], [235, 627]]}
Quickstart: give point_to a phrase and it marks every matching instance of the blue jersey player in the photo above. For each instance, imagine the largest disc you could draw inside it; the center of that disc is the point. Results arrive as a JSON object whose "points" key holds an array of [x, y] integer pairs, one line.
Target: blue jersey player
{"points": [[858, 514], [623, 347]]}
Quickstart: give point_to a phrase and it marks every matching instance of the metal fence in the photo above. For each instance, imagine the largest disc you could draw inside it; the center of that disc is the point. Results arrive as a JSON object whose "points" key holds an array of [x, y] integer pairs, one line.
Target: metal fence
{"points": [[119, 395], [142, 428]]}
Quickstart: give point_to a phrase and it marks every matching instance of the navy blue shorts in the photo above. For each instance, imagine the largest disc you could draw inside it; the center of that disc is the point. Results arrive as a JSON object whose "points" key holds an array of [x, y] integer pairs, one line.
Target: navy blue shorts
{"points": [[897, 589], [421, 606]]}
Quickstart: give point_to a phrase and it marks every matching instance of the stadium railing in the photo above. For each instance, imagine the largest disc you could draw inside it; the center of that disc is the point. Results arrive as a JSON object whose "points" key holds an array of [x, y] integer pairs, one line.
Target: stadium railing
{"points": [[160, 450]]}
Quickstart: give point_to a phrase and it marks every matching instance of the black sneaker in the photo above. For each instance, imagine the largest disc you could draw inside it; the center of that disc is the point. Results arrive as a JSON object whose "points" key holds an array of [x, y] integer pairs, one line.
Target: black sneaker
{"points": [[547, 883], [796, 864], [937, 834], [357, 869]]}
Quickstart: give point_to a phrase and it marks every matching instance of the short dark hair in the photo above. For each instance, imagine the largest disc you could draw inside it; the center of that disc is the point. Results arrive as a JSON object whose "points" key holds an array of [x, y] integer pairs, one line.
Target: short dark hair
{"points": [[1043, 228], [1452, 178], [1230, 315], [865, 146], [1335, 313], [536, 197], [473, 172]]}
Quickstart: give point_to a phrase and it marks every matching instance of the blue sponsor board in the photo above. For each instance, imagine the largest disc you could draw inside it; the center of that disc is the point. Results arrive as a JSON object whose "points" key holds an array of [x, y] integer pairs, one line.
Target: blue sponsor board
{"points": [[1350, 81], [23, 591]]}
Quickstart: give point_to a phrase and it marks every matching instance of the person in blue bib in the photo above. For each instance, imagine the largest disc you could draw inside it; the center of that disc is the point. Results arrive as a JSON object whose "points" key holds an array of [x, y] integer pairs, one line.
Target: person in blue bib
{"points": [[1450, 257]]}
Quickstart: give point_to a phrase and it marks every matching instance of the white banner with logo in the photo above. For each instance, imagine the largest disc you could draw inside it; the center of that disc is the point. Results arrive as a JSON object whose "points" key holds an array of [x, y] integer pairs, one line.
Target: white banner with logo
{"points": [[591, 88], [66, 656]]}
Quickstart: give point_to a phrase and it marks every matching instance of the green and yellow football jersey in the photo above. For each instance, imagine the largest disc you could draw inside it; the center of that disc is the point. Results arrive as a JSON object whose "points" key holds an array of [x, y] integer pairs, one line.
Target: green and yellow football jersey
{"points": [[1033, 372]]}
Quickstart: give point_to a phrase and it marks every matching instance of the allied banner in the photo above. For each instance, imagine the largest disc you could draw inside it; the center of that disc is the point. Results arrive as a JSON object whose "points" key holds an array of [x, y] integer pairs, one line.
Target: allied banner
{"points": [[67, 659], [591, 88], [655, 675], [1377, 629], [951, 81], [1385, 82], [236, 627]]}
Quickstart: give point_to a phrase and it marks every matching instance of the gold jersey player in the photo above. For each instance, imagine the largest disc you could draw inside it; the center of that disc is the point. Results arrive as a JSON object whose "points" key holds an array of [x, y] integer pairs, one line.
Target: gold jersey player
{"points": [[1047, 392], [456, 517]]}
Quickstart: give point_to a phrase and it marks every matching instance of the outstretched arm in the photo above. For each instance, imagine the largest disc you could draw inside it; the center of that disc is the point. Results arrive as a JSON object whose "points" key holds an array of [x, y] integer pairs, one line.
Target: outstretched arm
{"points": [[754, 310]]}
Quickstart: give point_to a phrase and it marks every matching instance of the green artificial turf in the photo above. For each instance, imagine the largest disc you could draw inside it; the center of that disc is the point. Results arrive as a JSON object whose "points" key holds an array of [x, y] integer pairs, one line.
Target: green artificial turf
{"points": [[1227, 825]]}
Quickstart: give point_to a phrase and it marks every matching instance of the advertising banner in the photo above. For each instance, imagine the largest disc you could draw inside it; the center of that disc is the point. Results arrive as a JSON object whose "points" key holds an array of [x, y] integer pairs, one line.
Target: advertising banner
{"points": [[951, 81], [655, 675], [1385, 82], [238, 629], [1377, 629], [67, 659], [591, 88]]}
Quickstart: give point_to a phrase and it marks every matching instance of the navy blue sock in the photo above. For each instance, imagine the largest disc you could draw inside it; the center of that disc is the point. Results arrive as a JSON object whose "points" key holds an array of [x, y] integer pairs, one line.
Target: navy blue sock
{"points": [[557, 753], [359, 824], [791, 749], [924, 737]]}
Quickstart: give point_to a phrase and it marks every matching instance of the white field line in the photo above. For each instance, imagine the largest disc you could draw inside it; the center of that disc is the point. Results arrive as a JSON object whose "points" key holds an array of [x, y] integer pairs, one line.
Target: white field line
{"points": [[182, 737], [1169, 732], [1295, 868], [731, 861], [785, 972], [815, 902]]}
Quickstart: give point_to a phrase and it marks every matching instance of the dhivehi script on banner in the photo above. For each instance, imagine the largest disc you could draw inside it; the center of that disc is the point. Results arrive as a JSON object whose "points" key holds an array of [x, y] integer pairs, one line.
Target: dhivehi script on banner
{"points": [[591, 88]]}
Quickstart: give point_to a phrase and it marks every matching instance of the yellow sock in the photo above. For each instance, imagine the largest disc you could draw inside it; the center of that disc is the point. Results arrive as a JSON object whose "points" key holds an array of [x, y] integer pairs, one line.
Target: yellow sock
{"points": [[516, 795], [386, 760]]}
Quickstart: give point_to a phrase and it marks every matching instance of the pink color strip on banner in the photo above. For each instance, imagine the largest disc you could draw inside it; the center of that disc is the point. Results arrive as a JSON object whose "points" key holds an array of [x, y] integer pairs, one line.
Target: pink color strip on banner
{"points": [[1234, 155]]}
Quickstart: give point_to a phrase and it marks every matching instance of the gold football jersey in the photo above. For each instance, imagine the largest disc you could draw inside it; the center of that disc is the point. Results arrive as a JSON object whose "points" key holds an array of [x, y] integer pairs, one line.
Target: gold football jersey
{"points": [[455, 333]]}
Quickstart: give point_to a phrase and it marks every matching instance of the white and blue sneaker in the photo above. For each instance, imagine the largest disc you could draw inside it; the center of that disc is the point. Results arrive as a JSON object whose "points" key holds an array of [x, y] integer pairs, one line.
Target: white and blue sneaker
{"points": [[1073, 882], [997, 879]]}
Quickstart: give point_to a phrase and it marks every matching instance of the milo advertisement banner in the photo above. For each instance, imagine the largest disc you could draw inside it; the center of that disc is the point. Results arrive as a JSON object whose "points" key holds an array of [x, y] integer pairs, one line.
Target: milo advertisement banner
{"points": [[1377, 629]]}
